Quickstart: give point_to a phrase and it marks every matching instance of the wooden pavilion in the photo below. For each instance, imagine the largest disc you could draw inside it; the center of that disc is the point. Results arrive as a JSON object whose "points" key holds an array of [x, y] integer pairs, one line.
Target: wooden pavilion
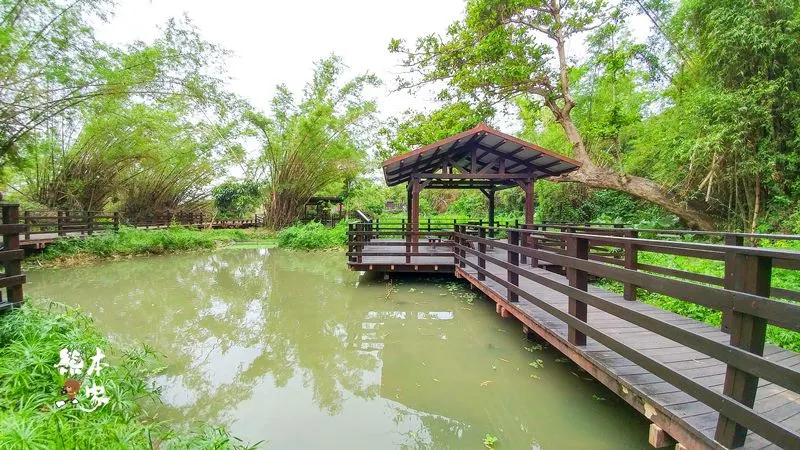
{"points": [[480, 158]]}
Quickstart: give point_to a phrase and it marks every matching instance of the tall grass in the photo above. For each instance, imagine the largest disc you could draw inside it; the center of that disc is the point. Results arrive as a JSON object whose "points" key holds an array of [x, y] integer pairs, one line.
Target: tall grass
{"points": [[313, 235], [30, 341], [133, 241]]}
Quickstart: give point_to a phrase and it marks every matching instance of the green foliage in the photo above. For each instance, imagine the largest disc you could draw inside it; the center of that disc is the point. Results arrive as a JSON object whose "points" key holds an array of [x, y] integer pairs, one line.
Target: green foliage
{"points": [[366, 195], [309, 145], [133, 241], [468, 204], [235, 199], [30, 341], [313, 235], [414, 129], [490, 441]]}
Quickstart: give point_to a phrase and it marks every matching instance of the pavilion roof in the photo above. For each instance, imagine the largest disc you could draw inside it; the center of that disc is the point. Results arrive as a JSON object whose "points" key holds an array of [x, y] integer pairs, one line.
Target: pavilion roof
{"points": [[479, 151]]}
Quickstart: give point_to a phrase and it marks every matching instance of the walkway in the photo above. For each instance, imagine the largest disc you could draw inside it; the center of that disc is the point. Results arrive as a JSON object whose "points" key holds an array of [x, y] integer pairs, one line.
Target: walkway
{"points": [[689, 421]]}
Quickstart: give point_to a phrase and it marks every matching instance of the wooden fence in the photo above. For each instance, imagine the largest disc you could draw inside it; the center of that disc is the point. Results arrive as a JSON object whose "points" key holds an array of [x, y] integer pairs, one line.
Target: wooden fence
{"points": [[70, 223]]}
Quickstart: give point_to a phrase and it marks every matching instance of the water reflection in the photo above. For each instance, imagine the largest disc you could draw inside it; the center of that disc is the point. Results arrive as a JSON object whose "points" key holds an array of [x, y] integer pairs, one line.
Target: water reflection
{"points": [[294, 349]]}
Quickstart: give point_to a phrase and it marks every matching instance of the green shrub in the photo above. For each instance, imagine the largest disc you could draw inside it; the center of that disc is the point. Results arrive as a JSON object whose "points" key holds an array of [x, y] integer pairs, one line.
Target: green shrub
{"points": [[132, 241], [313, 235], [31, 339]]}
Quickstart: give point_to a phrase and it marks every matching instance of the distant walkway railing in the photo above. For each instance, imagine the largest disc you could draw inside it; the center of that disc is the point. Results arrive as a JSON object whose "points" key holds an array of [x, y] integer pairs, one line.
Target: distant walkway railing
{"points": [[42, 224]]}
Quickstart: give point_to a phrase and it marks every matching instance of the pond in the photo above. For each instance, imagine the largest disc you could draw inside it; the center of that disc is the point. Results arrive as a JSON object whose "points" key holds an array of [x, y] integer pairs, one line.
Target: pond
{"points": [[293, 349]]}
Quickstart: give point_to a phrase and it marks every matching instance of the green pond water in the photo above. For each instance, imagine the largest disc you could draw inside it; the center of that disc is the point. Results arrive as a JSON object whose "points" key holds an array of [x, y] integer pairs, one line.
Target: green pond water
{"points": [[293, 349]]}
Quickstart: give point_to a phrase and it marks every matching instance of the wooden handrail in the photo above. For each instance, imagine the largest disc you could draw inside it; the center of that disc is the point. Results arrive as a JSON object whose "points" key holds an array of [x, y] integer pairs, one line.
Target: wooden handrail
{"points": [[748, 300]]}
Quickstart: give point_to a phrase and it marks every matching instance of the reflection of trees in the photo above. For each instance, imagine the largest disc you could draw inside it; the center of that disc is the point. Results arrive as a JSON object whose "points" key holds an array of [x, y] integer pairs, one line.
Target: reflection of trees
{"points": [[227, 319]]}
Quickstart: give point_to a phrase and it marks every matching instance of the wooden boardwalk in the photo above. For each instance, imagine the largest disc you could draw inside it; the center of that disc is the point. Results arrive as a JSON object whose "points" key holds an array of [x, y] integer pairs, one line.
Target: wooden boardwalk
{"points": [[676, 371], [388, 255], [689, 421]]}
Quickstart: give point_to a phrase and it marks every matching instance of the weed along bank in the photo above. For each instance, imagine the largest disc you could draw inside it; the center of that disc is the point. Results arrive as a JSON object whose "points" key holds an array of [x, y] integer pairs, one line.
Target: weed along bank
{"points": [[698, 385]]}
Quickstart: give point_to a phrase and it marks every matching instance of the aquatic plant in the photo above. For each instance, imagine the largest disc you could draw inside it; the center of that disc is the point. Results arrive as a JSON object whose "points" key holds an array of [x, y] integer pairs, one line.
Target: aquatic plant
{"points": [[489, 441], [538, 364]]}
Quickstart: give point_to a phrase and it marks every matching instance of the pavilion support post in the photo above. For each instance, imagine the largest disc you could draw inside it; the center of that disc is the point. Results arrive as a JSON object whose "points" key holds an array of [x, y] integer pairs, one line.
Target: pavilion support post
{"points": [[490, 196], [528, 188], [405, 226], [415, 188]]}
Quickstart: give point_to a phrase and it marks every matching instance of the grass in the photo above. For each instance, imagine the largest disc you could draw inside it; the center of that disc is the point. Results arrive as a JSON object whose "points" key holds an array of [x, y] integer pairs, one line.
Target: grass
{"points": [[313, 235], [133, 241], [31, 338], [780, 278]]}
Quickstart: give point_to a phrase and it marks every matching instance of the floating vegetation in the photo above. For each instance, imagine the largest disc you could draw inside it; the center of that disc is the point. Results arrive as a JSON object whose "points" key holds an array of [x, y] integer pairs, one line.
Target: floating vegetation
{"points": [[562, 359], [489, 441], [538, 364], [534, 348], [598, 398]]}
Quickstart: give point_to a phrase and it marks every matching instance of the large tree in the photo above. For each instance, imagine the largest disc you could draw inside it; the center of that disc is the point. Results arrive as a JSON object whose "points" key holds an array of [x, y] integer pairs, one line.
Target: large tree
{"points": [[309, 145], [51, 64], [504, 50]]}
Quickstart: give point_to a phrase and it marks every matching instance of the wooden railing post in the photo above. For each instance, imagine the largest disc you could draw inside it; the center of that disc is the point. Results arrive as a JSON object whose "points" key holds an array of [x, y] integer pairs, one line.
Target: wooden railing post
{"points": [[513, 259], [429, 225], [534, 244], [577, 247], [13, 267], [730, 276], [456, 250], [481, 252], [359, 249], [90, 222], [631, 262], [523, 241], [349, 241], [60, 223], [462, 250], [751, 274], [26, 217]]}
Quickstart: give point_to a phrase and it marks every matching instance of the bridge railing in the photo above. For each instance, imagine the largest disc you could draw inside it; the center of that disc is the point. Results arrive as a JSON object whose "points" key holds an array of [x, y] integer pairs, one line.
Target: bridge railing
{"points": [[65, 222], [745, 298], [11, 257], [365, 239]]}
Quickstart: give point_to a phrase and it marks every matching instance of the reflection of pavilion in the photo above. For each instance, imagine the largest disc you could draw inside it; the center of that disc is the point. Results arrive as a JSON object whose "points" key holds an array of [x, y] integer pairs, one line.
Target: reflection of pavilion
{"points": [[410, 345]]}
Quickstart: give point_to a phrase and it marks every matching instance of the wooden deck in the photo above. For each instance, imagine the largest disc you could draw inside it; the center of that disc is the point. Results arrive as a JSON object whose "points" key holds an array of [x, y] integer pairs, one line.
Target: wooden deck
{"points": [[384, 257], [689, 421]]}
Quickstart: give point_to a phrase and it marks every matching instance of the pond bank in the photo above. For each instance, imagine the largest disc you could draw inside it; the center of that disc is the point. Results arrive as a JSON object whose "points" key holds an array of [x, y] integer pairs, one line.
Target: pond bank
{"points": [[31, 340]]}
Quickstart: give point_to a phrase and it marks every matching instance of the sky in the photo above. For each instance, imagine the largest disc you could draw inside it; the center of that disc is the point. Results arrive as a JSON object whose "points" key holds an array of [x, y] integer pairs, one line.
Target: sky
{"points": [[278, 41]]}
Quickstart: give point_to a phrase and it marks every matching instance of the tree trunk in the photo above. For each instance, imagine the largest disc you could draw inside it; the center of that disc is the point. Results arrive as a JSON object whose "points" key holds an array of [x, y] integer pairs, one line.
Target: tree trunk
{"points": [[594, 176], [605, 178]]}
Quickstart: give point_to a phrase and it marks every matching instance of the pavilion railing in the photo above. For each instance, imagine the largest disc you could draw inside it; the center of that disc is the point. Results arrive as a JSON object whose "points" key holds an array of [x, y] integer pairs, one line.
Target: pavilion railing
{"points": [[746, 299]]}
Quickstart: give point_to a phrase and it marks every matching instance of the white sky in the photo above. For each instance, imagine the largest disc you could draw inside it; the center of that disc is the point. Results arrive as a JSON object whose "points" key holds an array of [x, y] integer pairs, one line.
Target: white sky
{"points": [[277, 41]]}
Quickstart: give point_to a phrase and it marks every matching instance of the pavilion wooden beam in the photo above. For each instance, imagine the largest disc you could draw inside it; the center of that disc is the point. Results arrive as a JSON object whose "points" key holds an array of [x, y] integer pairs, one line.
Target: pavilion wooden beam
{"points": [[431, 162], [470, 176]]}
